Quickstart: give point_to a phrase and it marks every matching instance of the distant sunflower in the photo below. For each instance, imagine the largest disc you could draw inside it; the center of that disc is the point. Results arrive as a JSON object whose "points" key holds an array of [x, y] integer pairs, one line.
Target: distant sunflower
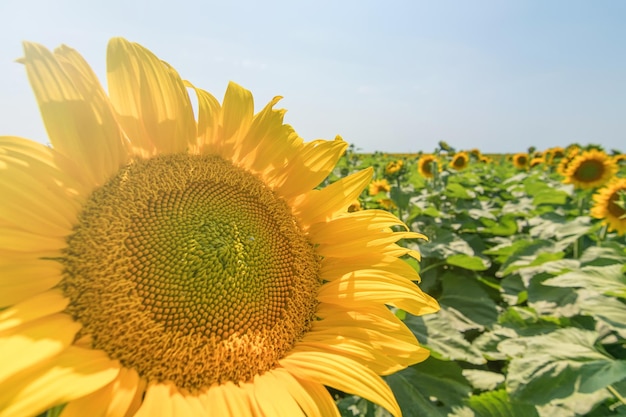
{"points": [[520, 160], [379, 186], [590, 169], [152, 264], [556, 154], [394, 167], [536, 161], [427, 166], [460, 160], [485, 159], [475, 153], [608, 205]]}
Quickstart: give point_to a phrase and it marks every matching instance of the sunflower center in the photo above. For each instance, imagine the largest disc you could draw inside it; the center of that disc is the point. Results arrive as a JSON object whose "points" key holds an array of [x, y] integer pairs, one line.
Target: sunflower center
{"points": [[613, 207], [190, 270], [590, 170]]}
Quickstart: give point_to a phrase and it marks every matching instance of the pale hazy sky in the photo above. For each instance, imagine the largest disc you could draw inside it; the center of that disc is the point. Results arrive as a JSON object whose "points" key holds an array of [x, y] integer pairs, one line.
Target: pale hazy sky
{"points": [[395, 76]]}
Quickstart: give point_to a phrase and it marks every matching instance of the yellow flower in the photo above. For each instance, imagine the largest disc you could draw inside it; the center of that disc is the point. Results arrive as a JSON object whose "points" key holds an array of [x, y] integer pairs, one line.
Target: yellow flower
{"points": [[393, 167], [485, 159], [520, 160], [152, 264], [607, 205], [475, 152], [379, 186], [355, 206], [590, 169], [460, 161], [387, 204], [619, 158], [427, 166], [536, 161]]}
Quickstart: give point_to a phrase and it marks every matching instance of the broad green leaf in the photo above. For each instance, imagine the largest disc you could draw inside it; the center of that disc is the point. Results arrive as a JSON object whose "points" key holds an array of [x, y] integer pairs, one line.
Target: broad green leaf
{"points": [[355, 406], [558, 364], [610, 253], [607, 280], [467, 300], [576, 404], [455, 190], [488, 342], [498, 404], [550, 196], [435, 332], [504, 226], [473, 263], [552, 301], [608, 310], [483, 380], [429, 388]]}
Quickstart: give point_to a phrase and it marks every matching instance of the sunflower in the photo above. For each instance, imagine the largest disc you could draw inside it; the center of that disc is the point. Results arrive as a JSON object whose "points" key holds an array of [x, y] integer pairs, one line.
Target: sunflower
{"points": [[619, 159], [427, 166], [393, 168], [590, 169], [536, 161], [379, 186], [520, 160], [609, 205], [152, 264], [460, 160]]}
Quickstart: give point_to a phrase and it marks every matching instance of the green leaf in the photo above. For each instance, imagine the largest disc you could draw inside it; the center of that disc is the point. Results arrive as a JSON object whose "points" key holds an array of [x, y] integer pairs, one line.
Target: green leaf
{"points": [[455, 190], [504, 226], [355, 406], [436, 332], [550, 196], [473, 263], [429, 388], [558, 364], [608, 310], [467, 300], [498, 404], [483, 380], [607, 280]]}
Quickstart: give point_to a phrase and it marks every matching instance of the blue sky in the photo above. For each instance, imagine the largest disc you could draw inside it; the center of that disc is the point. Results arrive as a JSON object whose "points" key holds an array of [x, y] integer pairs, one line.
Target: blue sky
{"points": [[394, 76]]}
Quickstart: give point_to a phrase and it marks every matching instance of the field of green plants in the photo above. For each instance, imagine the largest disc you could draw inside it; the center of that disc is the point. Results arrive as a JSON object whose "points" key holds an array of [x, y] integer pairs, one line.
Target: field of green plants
{"points": [[532, 286]]}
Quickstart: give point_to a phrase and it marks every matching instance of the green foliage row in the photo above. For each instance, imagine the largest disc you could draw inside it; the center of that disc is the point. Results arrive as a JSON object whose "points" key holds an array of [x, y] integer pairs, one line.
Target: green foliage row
{"points": [[532, 293]]}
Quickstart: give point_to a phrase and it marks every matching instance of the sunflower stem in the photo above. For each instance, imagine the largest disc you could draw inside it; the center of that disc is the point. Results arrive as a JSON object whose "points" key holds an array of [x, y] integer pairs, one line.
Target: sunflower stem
{"points": [[431, 266], [617, 395]]}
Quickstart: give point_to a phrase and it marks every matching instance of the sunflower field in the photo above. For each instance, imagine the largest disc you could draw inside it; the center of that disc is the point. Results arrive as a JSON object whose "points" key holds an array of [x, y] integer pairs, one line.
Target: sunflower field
{"points": [[526, 256]]}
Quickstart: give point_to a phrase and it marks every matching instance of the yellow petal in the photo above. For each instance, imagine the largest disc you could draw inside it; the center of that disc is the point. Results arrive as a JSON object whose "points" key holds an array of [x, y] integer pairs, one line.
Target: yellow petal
{"points": [[29, 344], [313, 163], [359, 223], [39, 187], [71, 116], [24, 242], [321, 397], [310, 400], [266, 135], [341, 373], [73, 373], [115, 399], [271, 398], [322, 205], [106, 150], [150, 99], [208, 122], [157, 402], [227, 400], [24, 277], [34, 308], [235, 118], [372, 286]]}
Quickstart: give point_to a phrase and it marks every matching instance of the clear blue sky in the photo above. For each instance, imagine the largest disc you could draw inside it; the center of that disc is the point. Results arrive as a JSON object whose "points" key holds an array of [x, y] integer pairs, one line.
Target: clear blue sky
{"points": [[395, 76]]}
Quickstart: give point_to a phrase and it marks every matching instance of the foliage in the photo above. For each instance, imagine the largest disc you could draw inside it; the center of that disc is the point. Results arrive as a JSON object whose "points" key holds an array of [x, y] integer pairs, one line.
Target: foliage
{"points": [[532, 291]]}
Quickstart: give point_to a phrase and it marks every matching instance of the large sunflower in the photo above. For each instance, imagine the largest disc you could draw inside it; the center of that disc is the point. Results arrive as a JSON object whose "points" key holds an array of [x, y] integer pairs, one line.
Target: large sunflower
{"points": [[608, 205], [590, 169], [152, 264]]}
